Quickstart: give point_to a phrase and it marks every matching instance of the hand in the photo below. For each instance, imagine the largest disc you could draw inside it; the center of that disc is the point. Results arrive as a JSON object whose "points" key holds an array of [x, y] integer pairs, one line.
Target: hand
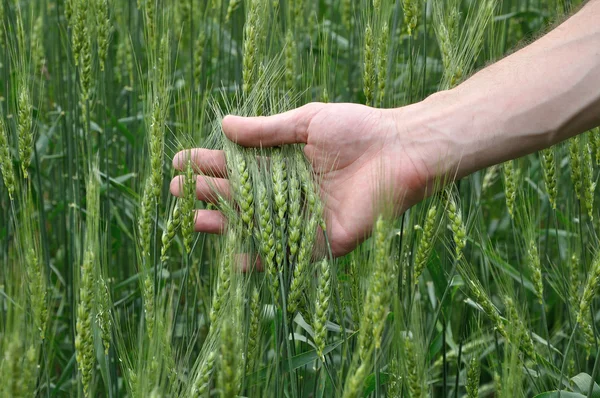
{"points": [[360, 153]]}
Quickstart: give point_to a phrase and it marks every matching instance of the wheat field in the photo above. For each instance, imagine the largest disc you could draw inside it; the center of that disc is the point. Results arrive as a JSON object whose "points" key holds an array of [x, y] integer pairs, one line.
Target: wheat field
{"points": [[488, 288]]}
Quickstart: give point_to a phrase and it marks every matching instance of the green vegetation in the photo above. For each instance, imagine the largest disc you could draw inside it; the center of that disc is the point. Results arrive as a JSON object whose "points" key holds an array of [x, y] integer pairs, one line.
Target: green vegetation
{"points": [[488, 288]]}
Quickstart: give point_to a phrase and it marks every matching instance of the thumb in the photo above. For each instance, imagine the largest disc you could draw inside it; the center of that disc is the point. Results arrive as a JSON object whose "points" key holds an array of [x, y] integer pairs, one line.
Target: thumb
{"points": [[265, 131]]}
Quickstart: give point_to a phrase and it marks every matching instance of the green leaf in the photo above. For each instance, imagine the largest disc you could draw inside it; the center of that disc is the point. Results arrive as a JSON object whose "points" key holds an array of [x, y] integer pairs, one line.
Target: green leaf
{"points": [[369, 386], [563, 394], [582, 382], [100, 357], [65, 376], [527, 15], [297, 362], [437, 273], [505, 267]]}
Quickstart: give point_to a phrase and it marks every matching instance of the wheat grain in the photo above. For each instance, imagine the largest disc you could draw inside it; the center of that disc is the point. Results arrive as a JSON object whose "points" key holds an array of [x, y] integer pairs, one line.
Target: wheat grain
{"points": [[103, 317], [224, 278], [102, 30], [266, 238], [227, 380], [490, 177], [589, 290], [29, 375], [322, 308], [25, 127], [382, 59], [300, 274], [6, 165], [145, 218], [202, 381], [483, 300], [290, 60], [85, 74], [37, 289], [414, 383], [149, 295], [280, 202], [473, 375], [381, 282], [369, 66], [12, 367], [411, 15], [520, 334], [78, 35], [188, 214], [549, 169], [150, 14], [589, 339], [231, 8], [251, 45], [294, 216], [536, 270], [589, 185], [157, 143], [354, 386], [170, 230], [459, 232], [245, 194], [510, 186], [425, 244], [84, 341], [595, 142], [253, 331]]}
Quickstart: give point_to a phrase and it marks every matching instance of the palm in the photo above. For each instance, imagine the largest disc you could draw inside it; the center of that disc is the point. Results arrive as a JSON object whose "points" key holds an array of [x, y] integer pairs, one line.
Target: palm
{"points": [[354, 150]]}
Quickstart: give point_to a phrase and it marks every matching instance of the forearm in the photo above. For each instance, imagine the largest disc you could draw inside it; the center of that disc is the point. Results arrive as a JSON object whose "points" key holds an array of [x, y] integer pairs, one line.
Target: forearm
{"points": [[537, 97]]}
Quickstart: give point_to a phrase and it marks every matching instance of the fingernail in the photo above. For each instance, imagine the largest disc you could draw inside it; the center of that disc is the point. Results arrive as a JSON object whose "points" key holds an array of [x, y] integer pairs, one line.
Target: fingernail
{"points": [[176, 159], [180, 158]]}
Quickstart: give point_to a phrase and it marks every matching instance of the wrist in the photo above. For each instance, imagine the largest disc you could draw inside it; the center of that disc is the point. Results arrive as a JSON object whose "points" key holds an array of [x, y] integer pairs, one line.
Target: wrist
{"points": [[453, 133], [432, 150]]}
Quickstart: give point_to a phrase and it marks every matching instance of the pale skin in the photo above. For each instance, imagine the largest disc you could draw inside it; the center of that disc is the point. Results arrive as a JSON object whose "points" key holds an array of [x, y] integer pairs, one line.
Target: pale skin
{"points": [[540, 95]]}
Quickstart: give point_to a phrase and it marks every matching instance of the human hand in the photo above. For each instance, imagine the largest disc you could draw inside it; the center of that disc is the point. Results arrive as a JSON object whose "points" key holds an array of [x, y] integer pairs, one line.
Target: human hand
{"points": [[362, 155]]}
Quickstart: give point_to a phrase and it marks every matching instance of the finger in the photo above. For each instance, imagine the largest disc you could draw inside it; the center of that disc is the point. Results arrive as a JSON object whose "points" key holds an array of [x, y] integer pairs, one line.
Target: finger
{"points": [[208, 189], [285, 128], [205, 161], [209, 221]]}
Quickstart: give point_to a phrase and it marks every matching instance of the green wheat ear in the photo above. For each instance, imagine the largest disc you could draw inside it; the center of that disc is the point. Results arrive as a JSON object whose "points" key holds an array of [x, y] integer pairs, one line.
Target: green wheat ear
{"points": [[103, 27], [459, 231], [510, 186], [6, 165], [412, 10], [369, 77], [589, 184], [84, 341], [25, 127], [322, 308], [548, 161], [473, 376], [224, 279], [425, 244]]}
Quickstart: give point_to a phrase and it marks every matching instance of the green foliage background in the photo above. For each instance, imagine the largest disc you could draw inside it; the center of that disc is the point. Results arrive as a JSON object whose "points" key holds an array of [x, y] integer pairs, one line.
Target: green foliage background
{"points": [[98, 95]]}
